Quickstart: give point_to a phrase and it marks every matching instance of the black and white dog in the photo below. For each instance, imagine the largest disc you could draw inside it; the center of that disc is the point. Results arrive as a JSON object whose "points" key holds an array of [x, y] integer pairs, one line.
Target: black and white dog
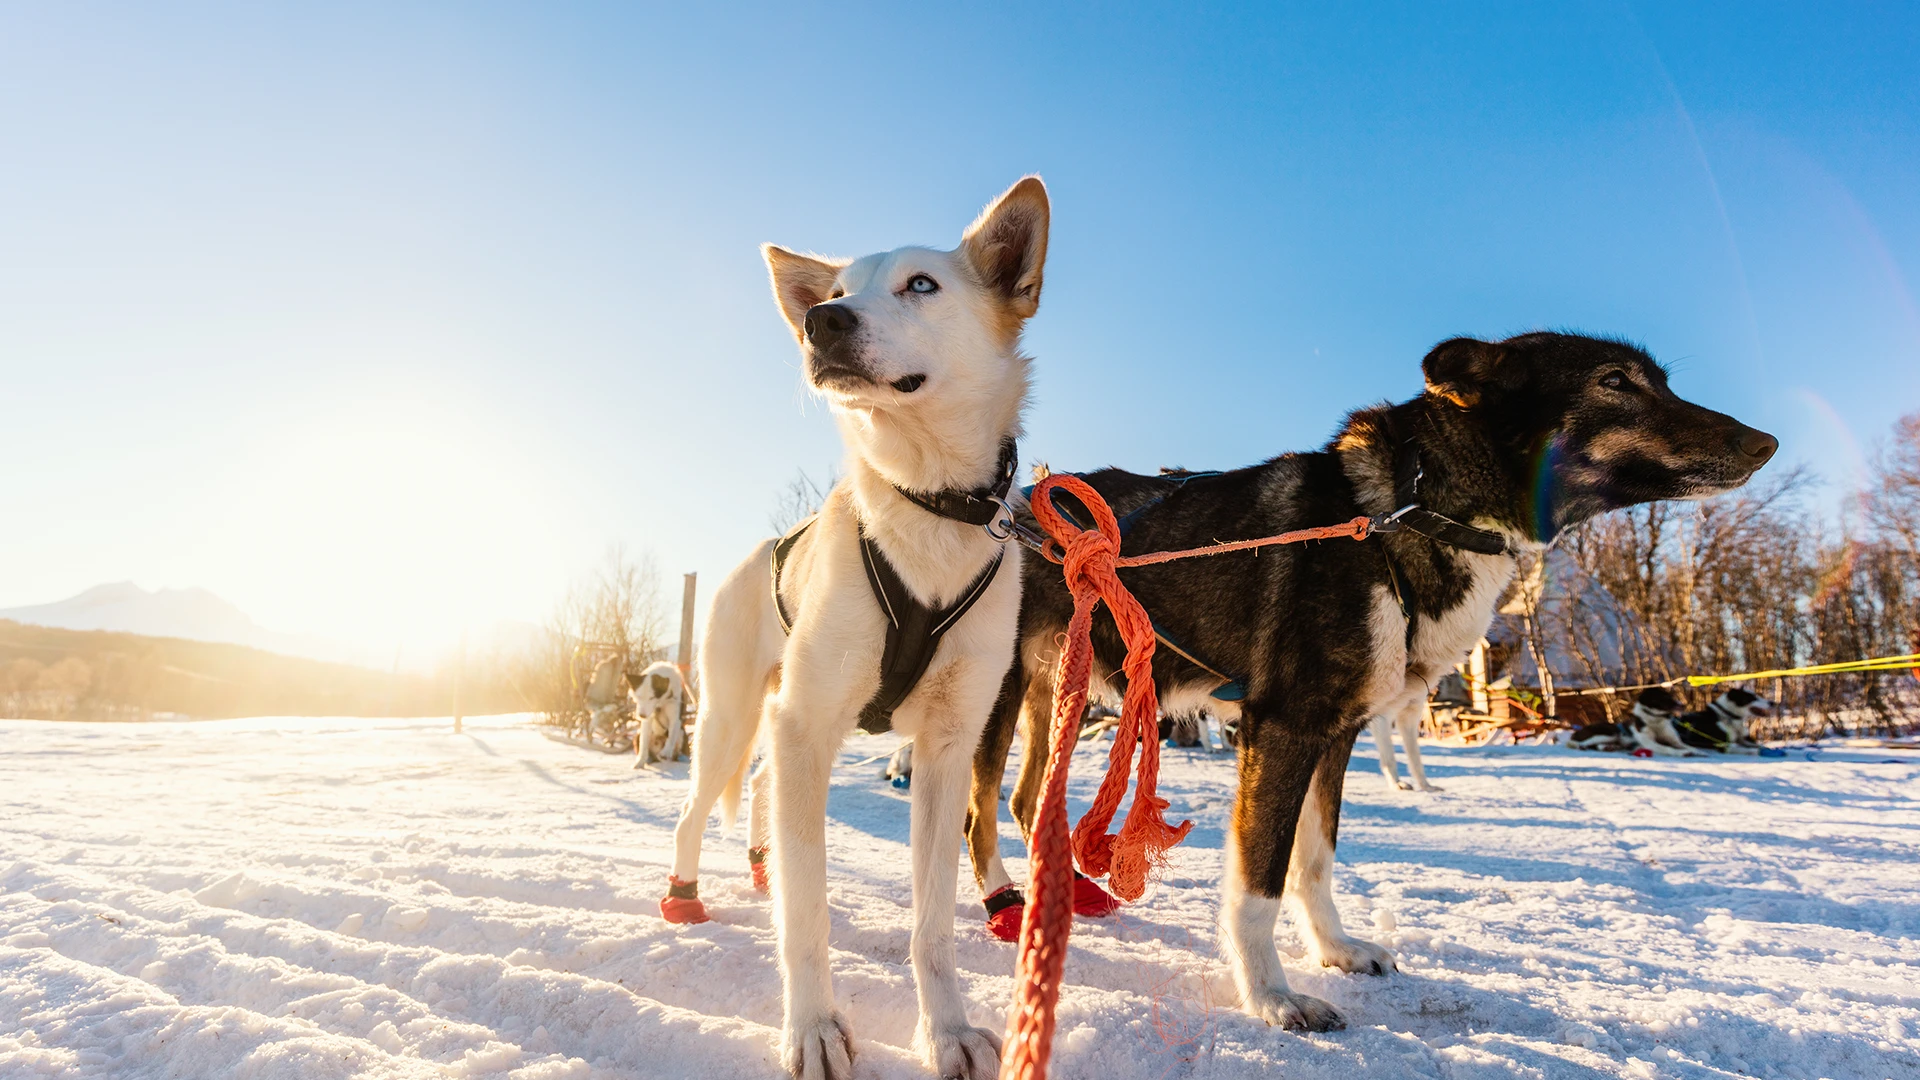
{"points": [[1511, 443], [1722, 725], [1650, 726]]}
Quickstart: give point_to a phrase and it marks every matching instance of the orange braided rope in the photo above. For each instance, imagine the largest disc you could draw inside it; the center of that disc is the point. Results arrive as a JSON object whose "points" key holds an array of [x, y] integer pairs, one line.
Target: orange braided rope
{"points": [[1091, 560]]}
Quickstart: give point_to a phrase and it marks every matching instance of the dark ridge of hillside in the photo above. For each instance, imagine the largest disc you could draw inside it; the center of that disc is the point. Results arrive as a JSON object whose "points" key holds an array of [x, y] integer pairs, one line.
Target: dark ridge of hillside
{"points": [[53, 674]]}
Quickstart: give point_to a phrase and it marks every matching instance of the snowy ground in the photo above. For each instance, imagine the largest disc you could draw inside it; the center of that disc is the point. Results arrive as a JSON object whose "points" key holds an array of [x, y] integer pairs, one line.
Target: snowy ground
{"points": [[385, 898]]}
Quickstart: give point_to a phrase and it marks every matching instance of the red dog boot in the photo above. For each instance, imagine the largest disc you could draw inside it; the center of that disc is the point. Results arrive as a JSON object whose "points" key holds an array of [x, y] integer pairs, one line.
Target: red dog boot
{"points": [[1090, 900], [1006, 908], [682, 902], [1641, 751], [757, 859]]}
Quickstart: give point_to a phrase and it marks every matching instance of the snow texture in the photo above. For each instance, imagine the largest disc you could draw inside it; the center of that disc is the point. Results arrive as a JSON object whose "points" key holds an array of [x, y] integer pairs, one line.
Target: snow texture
{"points": [[301, 898]]}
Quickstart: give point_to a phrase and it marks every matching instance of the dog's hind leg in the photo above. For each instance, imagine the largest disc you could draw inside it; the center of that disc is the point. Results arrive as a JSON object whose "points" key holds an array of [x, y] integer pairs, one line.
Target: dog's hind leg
{"points": [[1310, 873], [1036, 712], [760, 826], [953, 1046], [1383, 740], [722, 743], [739, 667], [1265, 815], [989, 771], [1409, 723]]}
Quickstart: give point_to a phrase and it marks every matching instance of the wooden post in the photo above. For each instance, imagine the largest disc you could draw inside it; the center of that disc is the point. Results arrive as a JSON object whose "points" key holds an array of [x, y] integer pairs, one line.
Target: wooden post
{"points": [[1477, 677], [684, 658]]}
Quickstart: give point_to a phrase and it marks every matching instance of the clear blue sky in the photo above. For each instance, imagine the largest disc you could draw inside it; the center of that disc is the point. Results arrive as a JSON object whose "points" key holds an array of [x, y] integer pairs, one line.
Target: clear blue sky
{"points": [[379, 320]]}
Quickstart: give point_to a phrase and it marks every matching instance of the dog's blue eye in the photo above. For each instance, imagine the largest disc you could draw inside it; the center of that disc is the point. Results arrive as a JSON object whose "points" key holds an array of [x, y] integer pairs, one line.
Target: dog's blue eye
{"points": [[1613, 380], [921, 283]]}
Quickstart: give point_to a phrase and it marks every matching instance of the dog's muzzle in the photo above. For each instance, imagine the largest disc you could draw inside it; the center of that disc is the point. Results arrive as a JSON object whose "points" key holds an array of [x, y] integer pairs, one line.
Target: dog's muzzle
{"points": [[1756, 446], [829, 324], [831, 358]]}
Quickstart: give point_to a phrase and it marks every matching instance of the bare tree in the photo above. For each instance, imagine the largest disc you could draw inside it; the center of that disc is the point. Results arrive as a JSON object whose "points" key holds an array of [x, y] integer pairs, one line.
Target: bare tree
{"points": [[799, 500], [1893, 506], [1893, 513], [616, 611]]}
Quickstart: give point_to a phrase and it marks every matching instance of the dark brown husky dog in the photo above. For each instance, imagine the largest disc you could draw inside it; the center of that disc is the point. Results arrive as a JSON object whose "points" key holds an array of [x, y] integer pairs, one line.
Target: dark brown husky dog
{"points": [[1511, 443]]}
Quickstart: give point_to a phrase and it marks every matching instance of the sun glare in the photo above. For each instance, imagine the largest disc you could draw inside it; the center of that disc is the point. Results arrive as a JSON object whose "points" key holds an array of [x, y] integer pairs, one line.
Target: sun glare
{"points": [[393, 527]]}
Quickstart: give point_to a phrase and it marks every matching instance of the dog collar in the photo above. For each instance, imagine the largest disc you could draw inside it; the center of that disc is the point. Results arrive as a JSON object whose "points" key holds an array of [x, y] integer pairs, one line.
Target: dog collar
{"points": [[1414, 518], [986, 507], [1440, 528]]}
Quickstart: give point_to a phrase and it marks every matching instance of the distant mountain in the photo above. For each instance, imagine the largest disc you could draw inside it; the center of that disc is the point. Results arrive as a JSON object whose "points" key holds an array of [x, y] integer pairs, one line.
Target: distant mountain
{"points": [[193, 614], [58, 674]]}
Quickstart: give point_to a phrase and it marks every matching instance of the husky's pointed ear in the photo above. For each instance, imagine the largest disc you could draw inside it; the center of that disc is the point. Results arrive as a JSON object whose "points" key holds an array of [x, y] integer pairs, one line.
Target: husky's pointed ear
{"points": [[799, 282], [1461, 370], [1007, 246]]}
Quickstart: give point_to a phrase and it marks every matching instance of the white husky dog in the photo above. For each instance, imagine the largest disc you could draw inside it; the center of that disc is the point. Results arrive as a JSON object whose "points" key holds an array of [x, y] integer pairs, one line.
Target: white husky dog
{"points": [[918, 354]]}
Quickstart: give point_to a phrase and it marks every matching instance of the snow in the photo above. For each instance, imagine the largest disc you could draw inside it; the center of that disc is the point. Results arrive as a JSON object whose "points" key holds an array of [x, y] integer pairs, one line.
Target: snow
{"points": [[334, 898]]}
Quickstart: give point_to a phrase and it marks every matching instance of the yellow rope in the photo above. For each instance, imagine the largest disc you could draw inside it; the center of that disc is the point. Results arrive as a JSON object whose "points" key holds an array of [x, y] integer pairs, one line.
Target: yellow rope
{"points": [[1845, 667]]}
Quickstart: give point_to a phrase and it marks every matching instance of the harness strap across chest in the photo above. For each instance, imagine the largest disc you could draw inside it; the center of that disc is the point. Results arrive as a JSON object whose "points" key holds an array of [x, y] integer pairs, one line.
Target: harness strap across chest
{"points": [[914, 629]]}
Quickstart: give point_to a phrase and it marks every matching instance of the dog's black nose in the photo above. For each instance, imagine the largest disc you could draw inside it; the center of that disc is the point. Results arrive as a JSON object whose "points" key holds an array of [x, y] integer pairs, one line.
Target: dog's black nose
{"points": [[828, 323], [1757, 445]]}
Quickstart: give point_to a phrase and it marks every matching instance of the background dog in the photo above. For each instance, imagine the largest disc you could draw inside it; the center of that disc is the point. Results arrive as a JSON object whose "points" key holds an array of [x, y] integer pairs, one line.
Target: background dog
{"points": [[1648, 726], [1520, 438], [1722, 725], [657, 694], [918, 354]]}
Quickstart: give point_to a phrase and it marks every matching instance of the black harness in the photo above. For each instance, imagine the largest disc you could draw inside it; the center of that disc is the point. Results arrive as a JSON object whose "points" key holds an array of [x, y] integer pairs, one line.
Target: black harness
{"points": [[914, 630]]}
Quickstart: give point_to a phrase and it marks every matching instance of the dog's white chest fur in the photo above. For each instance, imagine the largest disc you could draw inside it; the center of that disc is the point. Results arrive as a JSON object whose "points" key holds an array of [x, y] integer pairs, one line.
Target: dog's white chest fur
{"points": [[1440, 640]]}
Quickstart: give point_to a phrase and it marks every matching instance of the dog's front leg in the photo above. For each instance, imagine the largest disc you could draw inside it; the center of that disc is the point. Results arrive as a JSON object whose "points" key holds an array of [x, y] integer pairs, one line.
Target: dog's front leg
{"points": [[1409, 723], [952, 1045], [816, 1043], [1276, 769], [1383, 739], [1310, 874]]}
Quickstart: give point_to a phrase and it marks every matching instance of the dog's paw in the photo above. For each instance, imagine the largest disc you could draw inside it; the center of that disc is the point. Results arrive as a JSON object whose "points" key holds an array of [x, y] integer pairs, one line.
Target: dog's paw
{"points": [[819, 1050], [1296, 1012], [1402, 785], [963, 1053], [1355, 957], [1431, 787]]}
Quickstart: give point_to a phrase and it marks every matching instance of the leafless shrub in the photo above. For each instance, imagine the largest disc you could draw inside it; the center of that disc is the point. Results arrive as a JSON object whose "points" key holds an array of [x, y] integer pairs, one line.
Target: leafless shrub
{"points": [[616, 610]]}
